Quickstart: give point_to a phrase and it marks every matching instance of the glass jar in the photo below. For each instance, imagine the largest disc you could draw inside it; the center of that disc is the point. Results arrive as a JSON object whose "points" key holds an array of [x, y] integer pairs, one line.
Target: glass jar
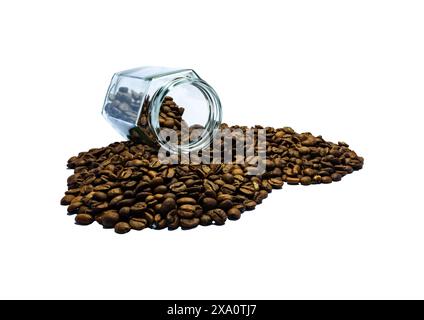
{"points": [[143, 103]]}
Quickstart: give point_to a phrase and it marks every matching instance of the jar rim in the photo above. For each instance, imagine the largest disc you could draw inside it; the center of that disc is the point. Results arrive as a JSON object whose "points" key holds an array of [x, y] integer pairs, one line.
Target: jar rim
{"points": [[212, 124]]}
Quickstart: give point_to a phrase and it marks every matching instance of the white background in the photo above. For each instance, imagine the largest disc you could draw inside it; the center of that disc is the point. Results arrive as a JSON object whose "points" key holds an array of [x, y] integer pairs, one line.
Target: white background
{"points": [[349, 70]]}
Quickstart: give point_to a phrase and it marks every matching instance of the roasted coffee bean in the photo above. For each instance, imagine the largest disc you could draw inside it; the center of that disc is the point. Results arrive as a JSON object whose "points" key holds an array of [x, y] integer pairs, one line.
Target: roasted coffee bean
{"points": [[291, 180], [225, 205], [304, 150], [168, 204], [114, 202], [186, 211], [169, 173], [156, 181], [189, 223], [326, 179], [249, 204], [138, 207], [218, 216], [84, 219], [174, 223], [260, 196], [224, 196], [109, 218], [237, 171], [316, 179], [114, 192], [228, 188], [247, 190], [210, 194], [186, 200], [135, 163], [129, 194], [306, 180], [309, 172], [160, 189], [205, 220], [126, 203], [178, 187], [74, 206], [209, 185], [125, 174], [336, 177], [234, 214], [209, 203], [66, 200], [124, 212], [137, 223], [170, 195], [241, 207], [228, 178], [122, 227], [276, 183]]}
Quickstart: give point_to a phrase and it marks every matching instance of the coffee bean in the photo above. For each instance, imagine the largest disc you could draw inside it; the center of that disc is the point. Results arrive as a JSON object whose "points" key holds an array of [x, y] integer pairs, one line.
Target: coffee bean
{"points": [[309, 172], [125, 174], [209, 203], [189, 223], [126, 203], [304, 150], [156, 181], [168, 204], [186, 200], [114, 202], [178, 187], [228, 178], [237, 171], [186, 211], [114, 192], [169, 173], [260, 196], [161, 189], [74, 206], [218, 216], [124, 212], [122, 227], [326, 179], [247, 190], [306, 180], [138, 207], [109, 218], [205, 220], [234, 214], [225, 205], [137, 223], [249, 204], [228, 188], [66, 200], [170, 195], [209, 185], [291, 180], [336, 177], [84, 219], [276, 183]]}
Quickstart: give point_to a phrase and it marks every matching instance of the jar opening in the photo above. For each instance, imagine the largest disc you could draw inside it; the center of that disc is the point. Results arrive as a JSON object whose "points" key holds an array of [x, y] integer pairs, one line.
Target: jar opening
{"points": [[185, 114]]}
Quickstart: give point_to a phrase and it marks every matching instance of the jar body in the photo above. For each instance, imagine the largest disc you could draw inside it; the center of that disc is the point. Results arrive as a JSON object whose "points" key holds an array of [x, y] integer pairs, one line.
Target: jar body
{"points": [[135, 97]]}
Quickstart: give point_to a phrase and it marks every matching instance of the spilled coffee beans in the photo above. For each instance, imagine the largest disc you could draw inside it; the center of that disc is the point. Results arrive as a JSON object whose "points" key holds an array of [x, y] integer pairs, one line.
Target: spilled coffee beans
{"points": [[124, 185]]}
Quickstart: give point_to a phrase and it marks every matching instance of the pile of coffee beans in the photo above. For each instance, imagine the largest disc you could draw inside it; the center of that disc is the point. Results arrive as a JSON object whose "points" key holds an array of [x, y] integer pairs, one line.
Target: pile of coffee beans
{"points": [[125, 186]]}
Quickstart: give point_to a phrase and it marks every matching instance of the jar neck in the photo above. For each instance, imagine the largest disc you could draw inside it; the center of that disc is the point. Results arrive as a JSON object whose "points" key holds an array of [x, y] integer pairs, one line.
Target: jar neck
{"points": [[211, 125]]}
